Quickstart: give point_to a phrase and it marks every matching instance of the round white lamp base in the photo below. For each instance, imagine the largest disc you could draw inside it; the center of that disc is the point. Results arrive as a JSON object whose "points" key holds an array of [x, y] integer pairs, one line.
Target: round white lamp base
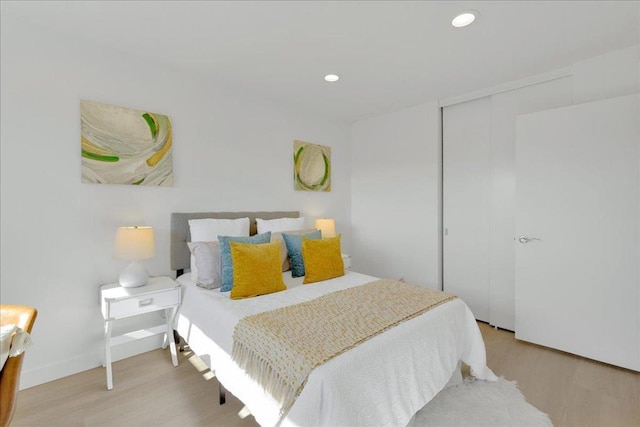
{"points": [[134, 275]]}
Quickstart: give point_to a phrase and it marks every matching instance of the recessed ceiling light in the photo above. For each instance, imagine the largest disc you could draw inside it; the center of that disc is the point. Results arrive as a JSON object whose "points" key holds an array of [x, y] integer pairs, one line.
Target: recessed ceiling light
{"points": [[331, 78], [464, 18]]}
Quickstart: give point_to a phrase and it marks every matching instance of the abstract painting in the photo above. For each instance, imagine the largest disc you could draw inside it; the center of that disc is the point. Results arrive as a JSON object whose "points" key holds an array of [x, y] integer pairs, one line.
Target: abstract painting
{"points": [[311, 167], [124, 146]]}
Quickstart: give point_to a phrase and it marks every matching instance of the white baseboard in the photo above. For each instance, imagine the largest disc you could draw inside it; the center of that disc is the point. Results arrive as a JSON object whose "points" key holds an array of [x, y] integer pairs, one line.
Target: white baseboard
{"points": [[44, 374]]}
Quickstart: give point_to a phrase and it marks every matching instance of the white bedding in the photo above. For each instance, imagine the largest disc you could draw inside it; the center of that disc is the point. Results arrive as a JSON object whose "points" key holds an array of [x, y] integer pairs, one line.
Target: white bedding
{"points": [[383, 381]]}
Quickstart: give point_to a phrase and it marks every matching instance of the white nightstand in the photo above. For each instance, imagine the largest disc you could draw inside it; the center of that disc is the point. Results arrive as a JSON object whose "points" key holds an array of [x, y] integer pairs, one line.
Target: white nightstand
{"points": [[346, 259], [160, 293]]}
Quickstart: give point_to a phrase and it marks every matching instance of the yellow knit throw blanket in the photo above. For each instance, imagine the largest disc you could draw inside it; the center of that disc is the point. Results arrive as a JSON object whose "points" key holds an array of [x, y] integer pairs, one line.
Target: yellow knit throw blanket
{"points": [[280, 348]]}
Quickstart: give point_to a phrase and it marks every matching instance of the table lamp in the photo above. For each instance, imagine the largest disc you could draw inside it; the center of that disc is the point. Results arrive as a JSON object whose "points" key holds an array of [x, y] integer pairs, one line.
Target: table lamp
{"points": [[327, 227], [134, 244]]}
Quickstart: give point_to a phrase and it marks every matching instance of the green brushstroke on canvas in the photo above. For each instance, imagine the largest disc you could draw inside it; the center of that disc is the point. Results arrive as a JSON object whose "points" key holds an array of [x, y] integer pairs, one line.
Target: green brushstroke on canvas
{"points": [[99, 157], [153, 124], [295, 156], [326, 170]]}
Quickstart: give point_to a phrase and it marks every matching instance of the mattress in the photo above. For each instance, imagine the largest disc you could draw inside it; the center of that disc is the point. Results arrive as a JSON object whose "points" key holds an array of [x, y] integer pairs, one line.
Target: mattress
{"points": [[383, 381]]}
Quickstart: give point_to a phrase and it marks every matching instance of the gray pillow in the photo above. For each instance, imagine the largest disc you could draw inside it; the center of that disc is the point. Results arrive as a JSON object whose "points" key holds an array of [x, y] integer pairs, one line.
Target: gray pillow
{"points": [[205, 266]]}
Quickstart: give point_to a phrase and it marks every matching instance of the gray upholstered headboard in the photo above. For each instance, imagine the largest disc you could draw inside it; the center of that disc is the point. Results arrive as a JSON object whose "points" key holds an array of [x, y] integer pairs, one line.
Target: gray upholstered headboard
{"points": [[180, 235]]}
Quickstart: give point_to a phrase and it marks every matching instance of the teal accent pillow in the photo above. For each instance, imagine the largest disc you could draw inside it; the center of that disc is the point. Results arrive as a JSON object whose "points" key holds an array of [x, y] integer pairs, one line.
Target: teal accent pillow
{"points": [[225, 255], [294, 247]]}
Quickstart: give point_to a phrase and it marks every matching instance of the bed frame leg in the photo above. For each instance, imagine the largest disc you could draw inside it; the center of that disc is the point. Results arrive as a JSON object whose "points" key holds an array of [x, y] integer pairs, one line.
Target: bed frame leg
{"points": [[222, 391]]}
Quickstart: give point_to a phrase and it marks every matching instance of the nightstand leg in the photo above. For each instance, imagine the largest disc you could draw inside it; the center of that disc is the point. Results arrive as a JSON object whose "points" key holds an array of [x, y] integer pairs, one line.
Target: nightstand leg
{"points": [[165, 340], [170, 314], [107, 352]]}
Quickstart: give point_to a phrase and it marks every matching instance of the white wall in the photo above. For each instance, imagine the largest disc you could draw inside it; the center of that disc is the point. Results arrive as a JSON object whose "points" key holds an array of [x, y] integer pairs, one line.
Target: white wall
{"points": [[231, 152], [606, 76], [395, 187]]}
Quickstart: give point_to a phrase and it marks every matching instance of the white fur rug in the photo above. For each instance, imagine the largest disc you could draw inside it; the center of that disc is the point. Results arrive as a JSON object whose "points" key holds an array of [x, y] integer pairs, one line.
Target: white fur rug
{"points": [[481, 403]]}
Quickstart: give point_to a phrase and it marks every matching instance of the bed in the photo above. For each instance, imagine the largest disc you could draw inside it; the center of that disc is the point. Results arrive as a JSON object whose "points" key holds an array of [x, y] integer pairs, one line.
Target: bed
{"points": [[384, 380]]}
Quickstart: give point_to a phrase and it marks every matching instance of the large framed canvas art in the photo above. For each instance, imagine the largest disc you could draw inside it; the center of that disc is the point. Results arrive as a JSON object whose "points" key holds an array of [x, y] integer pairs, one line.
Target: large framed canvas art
{"points": [[124, 146]]}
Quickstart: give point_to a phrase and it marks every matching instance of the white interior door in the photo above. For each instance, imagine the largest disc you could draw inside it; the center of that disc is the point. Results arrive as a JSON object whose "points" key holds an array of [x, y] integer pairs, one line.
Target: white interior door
{"points": [[578, 191], [466, 203]]}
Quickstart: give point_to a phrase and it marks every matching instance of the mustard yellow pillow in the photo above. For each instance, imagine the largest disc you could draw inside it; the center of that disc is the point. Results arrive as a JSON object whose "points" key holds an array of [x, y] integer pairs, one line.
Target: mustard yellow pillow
{"points": [[322, 259], [257, 269]]}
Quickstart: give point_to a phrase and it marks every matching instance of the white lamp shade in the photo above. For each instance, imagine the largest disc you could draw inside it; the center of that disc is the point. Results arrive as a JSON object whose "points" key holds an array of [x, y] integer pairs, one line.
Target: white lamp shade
{"points": [[326, 226], [134, 243]]}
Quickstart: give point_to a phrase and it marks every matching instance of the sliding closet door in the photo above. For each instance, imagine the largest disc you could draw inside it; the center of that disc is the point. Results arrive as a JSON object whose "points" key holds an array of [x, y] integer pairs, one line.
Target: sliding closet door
{"points": [[479, 190], [466, 203]]}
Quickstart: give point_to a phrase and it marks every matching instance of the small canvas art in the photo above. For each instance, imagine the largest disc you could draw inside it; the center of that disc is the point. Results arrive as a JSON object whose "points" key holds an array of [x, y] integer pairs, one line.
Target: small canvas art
{"points": [[311, 167], [124, 146]]}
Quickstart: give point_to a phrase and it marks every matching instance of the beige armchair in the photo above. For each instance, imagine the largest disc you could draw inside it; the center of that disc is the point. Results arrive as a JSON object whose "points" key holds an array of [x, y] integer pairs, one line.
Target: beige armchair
{"points": [[24, 317]]}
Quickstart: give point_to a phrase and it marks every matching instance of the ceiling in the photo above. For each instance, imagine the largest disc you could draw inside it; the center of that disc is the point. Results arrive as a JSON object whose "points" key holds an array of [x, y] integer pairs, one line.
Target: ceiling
{"points": [[389, 54]]}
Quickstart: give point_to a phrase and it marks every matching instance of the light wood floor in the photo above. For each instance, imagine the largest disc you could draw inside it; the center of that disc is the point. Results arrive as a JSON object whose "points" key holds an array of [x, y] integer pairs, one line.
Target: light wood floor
{"points": [[149, 391]]}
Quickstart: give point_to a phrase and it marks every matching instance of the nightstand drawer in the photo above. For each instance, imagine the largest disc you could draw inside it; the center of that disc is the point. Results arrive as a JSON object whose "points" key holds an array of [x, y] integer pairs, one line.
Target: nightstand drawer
{"points": [[143, 303]]}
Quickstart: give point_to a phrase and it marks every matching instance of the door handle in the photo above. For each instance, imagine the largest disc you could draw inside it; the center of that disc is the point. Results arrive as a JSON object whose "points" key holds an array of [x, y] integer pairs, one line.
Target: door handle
{"points": [[525, 239]]}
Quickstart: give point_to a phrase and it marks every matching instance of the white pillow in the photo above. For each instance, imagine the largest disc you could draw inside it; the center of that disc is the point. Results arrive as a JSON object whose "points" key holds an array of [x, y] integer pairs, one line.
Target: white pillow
{"points": [[279, 224], [208, 229], [6, 333], [14, 341], [205, 264]]}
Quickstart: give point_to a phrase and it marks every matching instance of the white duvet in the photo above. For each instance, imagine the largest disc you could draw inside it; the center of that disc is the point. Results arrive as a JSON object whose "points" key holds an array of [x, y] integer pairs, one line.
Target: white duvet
{"points": [[382, 382]]}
